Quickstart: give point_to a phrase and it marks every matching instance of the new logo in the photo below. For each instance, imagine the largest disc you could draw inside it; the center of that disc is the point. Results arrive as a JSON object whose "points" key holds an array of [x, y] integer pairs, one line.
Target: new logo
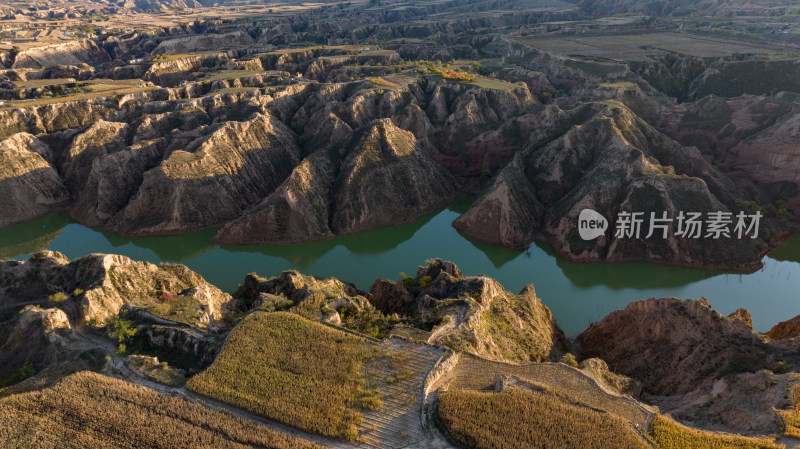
{"points": [[591, 224]]}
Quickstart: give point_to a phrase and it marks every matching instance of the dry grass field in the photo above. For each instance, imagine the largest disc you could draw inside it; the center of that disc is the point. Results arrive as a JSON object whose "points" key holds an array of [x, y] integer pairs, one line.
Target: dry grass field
{"points": [[290, 369], [89, 410], [668, 434], [517, 418]]}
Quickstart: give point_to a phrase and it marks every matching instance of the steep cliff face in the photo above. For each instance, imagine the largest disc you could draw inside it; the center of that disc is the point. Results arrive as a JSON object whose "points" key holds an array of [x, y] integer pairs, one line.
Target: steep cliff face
{"points": [[610, 162], [39, 337], [67, 53], [751, 135], [387, 178], [785, 329], [172, 72], [231, 169], [29, 185], [706, 368], [728, 130], [678, 344], [381, 177], [297, 211]]}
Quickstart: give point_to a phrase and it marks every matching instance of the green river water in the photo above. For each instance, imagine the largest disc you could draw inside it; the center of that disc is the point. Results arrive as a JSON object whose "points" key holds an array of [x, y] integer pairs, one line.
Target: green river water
{"points": [[577, 294]]}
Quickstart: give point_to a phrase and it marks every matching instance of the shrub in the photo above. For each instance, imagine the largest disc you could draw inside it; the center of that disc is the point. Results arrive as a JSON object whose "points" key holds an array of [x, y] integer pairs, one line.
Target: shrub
{"points": [[409, 282], [120, 330], [57, 299], [23, 373], [783, 209], [425, 281], [569, 359], [780, 367], [77, 293]]}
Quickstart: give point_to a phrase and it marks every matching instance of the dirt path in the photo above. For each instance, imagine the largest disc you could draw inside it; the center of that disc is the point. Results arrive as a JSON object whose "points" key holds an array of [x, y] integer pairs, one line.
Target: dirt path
{"points": [[398, 425]]}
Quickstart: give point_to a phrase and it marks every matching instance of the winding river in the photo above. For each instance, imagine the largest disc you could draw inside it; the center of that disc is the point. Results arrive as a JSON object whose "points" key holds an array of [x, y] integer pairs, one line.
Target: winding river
{"points": [[577, 294]]}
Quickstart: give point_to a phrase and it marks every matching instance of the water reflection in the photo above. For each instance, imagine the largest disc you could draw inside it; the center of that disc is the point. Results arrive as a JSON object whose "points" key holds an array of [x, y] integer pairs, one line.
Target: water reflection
{"points": [[577, 294], [174, 248], [33, 236]]}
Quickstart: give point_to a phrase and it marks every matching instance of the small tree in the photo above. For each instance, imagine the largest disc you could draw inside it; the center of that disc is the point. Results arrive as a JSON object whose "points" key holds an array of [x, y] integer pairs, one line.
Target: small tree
{"points": [[569, 359], [120, 330]]}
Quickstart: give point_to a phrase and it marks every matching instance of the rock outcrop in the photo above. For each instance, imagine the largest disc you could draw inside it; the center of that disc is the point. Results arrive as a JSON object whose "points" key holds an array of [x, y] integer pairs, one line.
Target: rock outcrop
{"points": [[97, 286], [383, 178], [231, 169], [705, 367], [474, 314], [38, 338]]}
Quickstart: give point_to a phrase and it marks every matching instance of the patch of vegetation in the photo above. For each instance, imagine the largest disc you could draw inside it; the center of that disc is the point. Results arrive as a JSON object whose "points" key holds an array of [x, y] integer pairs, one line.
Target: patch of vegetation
{"points": [[569, 359], [57, 299], [518, 418], [160, 372], [791, 418], [91, 410], [290, 369], [670, 435], [368, 321], [750, 207], [121, 331], [23, 373]]}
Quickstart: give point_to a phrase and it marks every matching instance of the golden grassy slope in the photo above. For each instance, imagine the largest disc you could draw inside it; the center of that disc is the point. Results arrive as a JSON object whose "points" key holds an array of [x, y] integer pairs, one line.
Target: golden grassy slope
{"points": [[89, 410], [517, 418], [670, 435], [284, 367]]}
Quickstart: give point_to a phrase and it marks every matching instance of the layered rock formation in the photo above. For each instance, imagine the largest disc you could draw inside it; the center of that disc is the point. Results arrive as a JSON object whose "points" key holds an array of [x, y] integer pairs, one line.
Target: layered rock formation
{"points": [[38, 338], [611, 162], [272, 157], [384, 178], [709, 369], [67, 53], [474, 314]]}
